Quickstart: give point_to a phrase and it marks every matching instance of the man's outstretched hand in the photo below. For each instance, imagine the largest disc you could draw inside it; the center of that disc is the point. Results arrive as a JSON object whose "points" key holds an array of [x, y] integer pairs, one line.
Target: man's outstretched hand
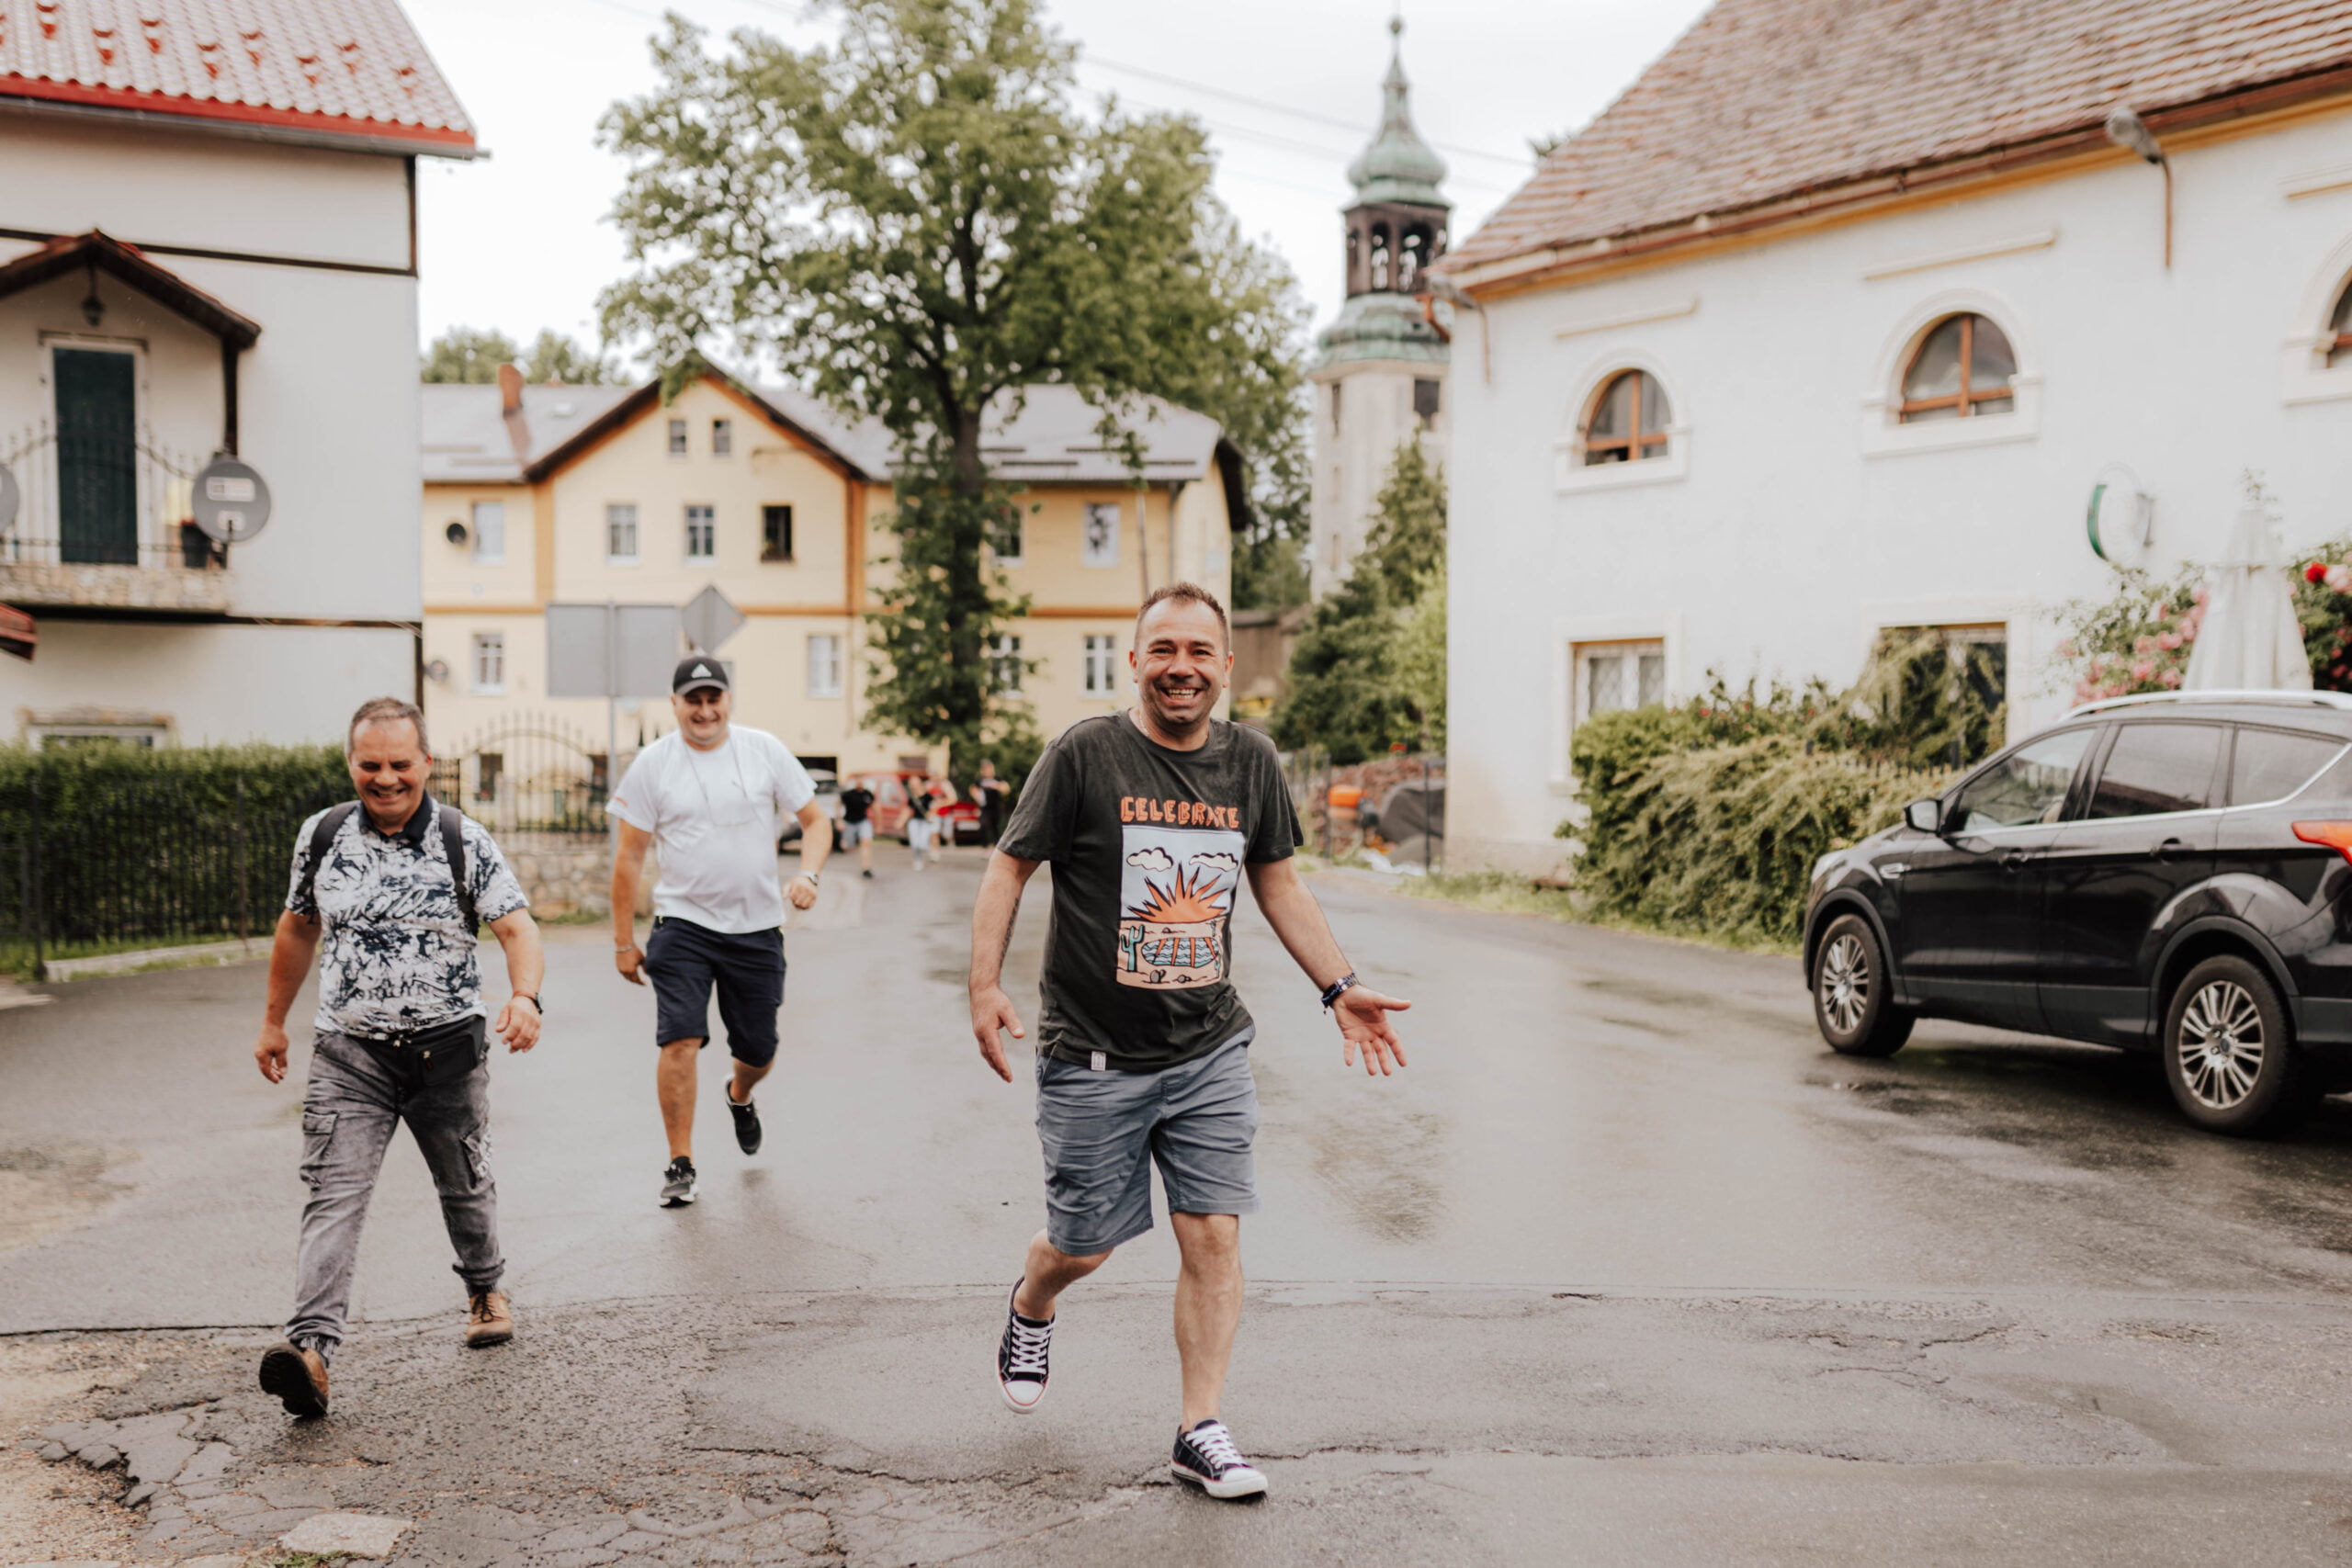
{"points": [[1361, 1014], [992, 1012]]}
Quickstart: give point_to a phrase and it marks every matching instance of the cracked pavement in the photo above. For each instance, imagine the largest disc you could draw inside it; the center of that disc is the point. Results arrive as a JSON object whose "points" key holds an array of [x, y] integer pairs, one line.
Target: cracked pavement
{"points": [[1624, 1267]]}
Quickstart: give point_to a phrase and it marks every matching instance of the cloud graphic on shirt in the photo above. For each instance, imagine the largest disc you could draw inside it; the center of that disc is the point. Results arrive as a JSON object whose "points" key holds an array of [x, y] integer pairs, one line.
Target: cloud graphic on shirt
{"points": [[1222, 864], [1153, 859]]}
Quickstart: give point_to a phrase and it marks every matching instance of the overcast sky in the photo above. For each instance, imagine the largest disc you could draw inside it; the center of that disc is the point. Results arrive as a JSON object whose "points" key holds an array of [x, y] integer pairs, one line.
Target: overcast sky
{"points": [[1289, 90]]}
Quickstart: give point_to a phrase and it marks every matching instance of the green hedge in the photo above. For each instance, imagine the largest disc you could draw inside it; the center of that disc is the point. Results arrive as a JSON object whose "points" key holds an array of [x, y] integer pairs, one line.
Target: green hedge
{"points": [[112, 844]]}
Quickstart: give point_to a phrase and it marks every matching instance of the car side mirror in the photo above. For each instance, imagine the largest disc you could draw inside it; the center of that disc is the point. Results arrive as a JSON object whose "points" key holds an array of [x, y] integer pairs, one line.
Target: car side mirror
{"points": [[1925, 815]]}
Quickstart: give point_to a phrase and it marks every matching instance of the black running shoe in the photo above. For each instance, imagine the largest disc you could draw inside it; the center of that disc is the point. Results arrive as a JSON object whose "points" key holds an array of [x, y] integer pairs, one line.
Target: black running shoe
{"points": [[678, 1183], [746, 1121], [1020, 1359], [1206, 1458]]}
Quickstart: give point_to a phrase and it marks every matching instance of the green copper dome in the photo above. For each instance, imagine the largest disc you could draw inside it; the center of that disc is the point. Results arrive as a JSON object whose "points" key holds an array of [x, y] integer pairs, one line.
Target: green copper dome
{"points": [[1399, 165]]}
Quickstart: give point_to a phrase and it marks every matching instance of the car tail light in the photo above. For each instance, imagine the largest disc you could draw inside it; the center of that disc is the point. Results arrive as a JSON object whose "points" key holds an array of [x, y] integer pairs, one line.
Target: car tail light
{"points": [[2336, 836]]}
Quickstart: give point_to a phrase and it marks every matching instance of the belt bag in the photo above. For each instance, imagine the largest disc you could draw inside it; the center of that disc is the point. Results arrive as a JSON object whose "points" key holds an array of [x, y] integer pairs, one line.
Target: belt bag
{"points": [[434, 1056]]}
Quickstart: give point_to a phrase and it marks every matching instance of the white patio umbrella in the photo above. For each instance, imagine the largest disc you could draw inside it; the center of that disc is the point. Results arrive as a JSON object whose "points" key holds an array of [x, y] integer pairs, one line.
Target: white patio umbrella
{"points": [[2250, 640]]}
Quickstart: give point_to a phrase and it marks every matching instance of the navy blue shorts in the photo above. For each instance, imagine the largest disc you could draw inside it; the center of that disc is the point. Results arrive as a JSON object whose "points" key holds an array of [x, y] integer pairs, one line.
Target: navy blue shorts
{"points": [[686, 962]]}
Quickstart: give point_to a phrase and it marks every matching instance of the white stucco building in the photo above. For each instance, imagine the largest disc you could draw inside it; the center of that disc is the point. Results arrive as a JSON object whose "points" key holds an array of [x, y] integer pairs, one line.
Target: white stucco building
{"points": [[208, 244], [1379, 372], [1726, 422]]}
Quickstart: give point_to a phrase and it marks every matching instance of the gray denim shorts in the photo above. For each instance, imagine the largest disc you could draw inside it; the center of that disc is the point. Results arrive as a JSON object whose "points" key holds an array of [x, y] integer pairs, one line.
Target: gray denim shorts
{"points": [[1102, 1130]]}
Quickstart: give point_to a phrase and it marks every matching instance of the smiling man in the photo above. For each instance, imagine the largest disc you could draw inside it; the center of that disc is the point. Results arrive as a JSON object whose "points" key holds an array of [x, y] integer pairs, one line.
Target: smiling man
{"points": [[1152, 819], [393, 885]]}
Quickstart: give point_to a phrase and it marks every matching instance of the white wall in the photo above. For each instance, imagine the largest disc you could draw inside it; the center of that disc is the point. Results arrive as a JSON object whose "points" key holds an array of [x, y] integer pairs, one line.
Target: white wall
{"points": [[218, 684], [1375, 417], [1795, 519], [328, 400]]}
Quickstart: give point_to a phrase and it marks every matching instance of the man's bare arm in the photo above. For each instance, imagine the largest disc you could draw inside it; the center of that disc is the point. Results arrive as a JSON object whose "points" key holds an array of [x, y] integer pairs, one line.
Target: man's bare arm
{"points": [[628, 873], [993, 913], [518, 938], [816, 848], [1362, 1013], [290, 951]]}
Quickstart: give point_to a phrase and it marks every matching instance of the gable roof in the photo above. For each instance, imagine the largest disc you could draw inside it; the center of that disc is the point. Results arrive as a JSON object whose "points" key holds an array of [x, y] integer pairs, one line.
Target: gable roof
{"points": [[338, 72], [100, 252], [1762, 101]]}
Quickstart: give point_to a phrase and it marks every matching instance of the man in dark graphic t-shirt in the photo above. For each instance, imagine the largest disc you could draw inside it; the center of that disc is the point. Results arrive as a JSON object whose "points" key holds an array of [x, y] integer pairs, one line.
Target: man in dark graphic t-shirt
{"points": [[1153, 820]]}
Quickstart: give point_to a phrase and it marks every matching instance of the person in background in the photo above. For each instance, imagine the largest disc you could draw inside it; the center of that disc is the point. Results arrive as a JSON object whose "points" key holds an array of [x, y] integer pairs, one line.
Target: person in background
{"points": [[857, 825], [392, 886], [918, 816], [989, 794], [710, 793]]}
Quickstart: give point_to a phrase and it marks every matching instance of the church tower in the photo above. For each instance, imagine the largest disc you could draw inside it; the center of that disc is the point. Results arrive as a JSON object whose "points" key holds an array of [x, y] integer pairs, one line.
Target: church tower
{"points": [[1380, 375]]}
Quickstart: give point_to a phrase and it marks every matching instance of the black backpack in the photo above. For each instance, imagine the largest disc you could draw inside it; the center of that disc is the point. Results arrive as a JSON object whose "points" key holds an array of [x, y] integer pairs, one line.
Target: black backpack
{"points": [[453, 844]]}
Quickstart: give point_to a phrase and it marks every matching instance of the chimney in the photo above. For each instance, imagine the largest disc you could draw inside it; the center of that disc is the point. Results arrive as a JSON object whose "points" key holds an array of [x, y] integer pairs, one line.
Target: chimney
{"points": [[510, 389]]}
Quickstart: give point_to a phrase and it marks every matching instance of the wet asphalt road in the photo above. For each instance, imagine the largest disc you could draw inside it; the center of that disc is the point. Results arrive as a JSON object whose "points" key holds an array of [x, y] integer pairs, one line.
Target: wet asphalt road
{"points": [[1625, 1266]]}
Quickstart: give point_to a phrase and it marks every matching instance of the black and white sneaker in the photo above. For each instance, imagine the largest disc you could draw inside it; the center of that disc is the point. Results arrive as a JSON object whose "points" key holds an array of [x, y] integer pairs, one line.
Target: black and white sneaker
{"points": [[678, 1183], [1206, 1458], [1020, 1359], [747, 1121]]}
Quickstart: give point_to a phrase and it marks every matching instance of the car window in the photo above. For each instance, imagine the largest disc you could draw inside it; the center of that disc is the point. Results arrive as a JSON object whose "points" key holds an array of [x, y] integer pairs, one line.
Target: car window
{"points": [[2158, 767], [2272, 764], [2027, 785]]}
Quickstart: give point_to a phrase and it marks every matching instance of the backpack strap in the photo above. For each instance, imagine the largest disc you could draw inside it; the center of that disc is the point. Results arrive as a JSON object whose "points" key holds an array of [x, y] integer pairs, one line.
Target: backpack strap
{"points": [[329, 824], [453, 844]]}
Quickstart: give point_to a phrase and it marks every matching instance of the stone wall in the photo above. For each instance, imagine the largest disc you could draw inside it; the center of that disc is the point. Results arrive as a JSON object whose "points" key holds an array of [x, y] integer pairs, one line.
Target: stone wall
{"points": [[564, 873]]}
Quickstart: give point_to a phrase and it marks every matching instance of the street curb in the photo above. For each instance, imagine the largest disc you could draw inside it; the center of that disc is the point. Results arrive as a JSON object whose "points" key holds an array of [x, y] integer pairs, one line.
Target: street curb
{"points": [[189, 955]]}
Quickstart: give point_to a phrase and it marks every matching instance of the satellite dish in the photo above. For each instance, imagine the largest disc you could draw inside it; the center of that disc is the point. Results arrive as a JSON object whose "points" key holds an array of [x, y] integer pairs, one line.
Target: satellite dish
{"points": [[438, 672], [9, 497], [455, 533], [2121, 517], [232, 501]]}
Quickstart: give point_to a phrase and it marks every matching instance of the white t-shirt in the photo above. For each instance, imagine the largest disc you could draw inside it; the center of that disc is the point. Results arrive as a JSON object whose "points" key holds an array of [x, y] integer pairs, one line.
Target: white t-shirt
{"points": [[714, 816]]}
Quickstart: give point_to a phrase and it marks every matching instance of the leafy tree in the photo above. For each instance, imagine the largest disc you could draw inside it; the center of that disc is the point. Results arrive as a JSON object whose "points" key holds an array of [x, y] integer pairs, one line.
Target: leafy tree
{"points": [[463, 354], [555, 358], [914, 221], [1363, 676]]}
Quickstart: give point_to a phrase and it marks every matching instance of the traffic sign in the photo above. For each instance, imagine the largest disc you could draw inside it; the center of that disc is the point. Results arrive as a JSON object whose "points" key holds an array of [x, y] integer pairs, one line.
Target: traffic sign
{"points": [[709, 619]]}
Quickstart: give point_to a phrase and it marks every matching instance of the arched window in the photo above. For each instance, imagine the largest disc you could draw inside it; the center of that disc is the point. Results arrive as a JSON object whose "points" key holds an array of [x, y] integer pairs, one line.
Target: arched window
{"points": [[1962, 367], [1628, 422], [1412, 256], [2339, 326], [1380, 256]]}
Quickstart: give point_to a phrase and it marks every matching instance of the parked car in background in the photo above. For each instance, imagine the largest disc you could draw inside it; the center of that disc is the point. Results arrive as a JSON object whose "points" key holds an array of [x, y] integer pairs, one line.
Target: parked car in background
{"points": [[829, 795], [888, 812], [959, 822], [2170, 873]]}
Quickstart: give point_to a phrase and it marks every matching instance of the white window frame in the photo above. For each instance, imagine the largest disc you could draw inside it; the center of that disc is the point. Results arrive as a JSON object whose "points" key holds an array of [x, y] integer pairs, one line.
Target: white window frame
{"points": [[722, 437], [484, 555], [678, 440], [1572, 473], [486, 655], [2304, 374], [1099, 659], [636, 538], [1019, 529], [710, 518], [1087, 554], [1005, 659], [1884, 432], [1566, 636], [2032, 637], [825, 662]]}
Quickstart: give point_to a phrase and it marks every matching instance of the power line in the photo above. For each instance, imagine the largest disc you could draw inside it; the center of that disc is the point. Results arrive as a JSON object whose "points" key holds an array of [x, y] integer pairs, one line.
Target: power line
{"points": [[1270, 107]]}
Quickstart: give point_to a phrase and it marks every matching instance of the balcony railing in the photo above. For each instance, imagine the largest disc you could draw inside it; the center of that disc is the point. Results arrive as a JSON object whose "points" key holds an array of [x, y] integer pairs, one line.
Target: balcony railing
{"points": [[102, 520]]}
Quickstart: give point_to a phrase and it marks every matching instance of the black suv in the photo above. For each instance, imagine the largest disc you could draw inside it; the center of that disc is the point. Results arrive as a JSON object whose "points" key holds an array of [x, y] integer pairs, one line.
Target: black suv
{"points": [[2170, 872]]}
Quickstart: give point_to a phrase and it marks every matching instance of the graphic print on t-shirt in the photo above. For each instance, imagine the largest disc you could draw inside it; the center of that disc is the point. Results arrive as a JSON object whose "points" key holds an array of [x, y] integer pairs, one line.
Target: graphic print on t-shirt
{"points": [[1175, 904]]}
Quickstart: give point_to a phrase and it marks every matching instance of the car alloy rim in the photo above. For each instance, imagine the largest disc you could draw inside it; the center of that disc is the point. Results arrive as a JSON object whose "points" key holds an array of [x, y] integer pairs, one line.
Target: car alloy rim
{"points": [[2220, 1046], [1845, 983]]}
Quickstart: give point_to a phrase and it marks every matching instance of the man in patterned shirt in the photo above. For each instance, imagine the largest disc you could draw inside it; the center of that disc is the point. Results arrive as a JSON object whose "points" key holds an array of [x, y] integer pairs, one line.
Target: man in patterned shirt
{"points": [[393, 886]]}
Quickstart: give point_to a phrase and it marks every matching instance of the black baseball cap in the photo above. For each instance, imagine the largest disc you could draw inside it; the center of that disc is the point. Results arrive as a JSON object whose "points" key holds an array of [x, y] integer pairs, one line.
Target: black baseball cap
{"points": [[699, 670]]}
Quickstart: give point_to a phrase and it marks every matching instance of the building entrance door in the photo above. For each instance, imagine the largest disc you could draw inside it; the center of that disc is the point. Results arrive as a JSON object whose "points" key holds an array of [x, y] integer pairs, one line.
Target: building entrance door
{"points": [[98, 474]]}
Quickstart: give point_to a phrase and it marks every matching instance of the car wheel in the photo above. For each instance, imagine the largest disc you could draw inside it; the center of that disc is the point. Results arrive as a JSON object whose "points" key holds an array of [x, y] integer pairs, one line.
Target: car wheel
{"points": [[2229, 1057], [1850, 1001]]}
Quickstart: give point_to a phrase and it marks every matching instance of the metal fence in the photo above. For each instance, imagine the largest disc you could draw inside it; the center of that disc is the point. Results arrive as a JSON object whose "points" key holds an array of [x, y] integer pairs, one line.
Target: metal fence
{"points": [[527, 773], [1392, 807], [138, 863], [100, 499]]}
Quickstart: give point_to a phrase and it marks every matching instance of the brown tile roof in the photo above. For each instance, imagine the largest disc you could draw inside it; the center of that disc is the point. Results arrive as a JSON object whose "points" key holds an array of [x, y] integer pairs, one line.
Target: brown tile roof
{"points": [[1763, 100], [337, 68]]}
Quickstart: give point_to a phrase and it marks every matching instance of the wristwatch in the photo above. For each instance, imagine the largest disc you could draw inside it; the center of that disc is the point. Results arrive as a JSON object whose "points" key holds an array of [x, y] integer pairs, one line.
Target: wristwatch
{"points": [[1332, 992], [809, 875]]}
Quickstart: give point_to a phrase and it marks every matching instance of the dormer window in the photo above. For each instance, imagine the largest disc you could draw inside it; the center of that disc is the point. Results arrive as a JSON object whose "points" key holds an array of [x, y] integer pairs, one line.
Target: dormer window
{"points": [[1962, 368], [1628, 420]]}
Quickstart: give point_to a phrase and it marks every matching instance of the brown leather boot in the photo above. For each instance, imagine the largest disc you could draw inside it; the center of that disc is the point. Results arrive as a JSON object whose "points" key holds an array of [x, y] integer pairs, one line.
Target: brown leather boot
{"points": [[488, 1321], [298, 1376]]}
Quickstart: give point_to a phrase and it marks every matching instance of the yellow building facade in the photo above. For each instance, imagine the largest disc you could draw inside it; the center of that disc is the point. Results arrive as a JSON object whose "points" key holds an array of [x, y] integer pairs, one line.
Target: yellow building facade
{"points": [[579, 495]]}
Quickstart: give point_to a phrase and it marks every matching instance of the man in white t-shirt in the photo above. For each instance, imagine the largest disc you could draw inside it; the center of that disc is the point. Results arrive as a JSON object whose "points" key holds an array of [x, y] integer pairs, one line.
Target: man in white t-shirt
{"points": [[713, 795]]}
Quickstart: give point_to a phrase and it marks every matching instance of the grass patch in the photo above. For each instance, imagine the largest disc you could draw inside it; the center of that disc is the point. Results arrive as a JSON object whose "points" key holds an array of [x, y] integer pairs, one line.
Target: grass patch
{"points": [[1505, 892], [17, 956]]}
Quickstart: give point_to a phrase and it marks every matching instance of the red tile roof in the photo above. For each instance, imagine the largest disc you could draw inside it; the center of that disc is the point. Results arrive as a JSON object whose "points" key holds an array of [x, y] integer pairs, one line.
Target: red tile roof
{"points": [[333, 68], [1763, 100]]}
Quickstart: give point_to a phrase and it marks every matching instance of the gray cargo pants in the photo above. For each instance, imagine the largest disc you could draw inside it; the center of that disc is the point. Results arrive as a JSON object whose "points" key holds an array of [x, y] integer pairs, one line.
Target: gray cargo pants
{"points": [[348, 1112]]}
